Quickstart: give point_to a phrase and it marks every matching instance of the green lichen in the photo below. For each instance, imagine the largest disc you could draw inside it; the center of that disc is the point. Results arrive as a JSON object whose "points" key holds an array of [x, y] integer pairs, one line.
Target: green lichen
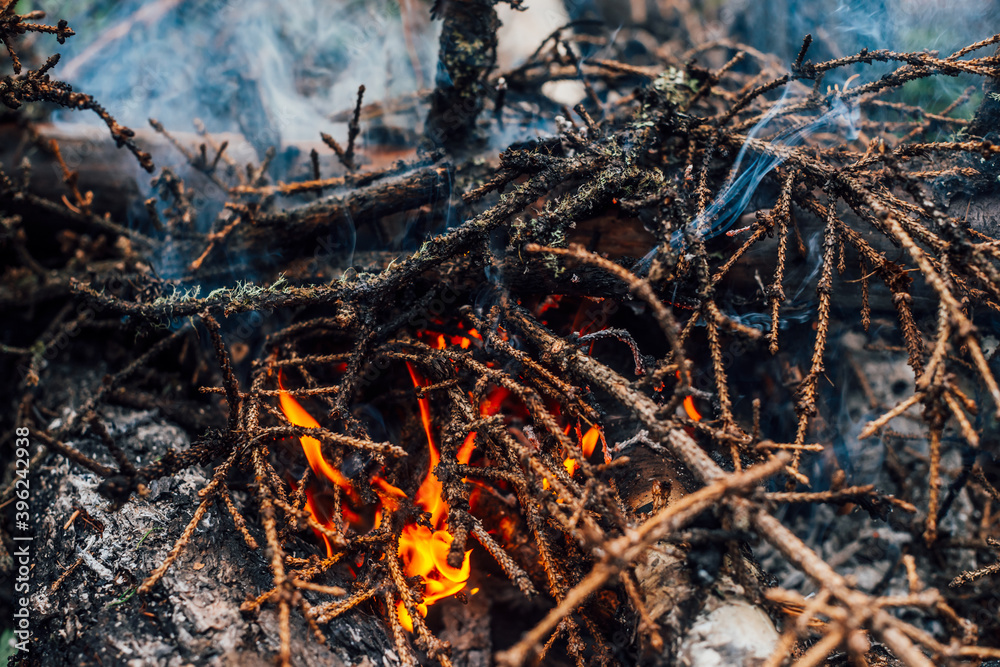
{"points": [[178, 295], [673, 88]]}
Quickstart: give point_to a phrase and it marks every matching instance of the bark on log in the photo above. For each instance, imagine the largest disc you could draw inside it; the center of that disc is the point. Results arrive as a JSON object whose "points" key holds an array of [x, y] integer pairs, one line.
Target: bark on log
{"points": [[468, 53]]}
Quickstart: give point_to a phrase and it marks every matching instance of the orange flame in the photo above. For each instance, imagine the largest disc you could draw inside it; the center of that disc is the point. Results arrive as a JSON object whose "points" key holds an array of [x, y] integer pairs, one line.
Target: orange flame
{"points": [[388, 495], [692, 412], [312, 447], [423, 547], [689, 408], [440, 341], [589, 441], [311, 507], [468, 446], [424, 550], [429, 493]]}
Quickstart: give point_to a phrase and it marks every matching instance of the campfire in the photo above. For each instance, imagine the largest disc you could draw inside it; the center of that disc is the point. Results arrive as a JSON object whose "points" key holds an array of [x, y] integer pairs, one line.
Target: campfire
{"points": [[650, 341]]}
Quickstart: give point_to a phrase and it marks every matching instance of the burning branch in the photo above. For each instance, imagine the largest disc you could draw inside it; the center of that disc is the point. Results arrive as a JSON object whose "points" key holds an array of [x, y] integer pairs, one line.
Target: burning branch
{"points": [[388, 405]]}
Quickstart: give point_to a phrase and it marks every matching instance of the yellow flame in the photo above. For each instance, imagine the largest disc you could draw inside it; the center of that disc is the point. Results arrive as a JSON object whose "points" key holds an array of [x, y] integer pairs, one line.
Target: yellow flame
{"points": [[571, 466], [424, 551]]}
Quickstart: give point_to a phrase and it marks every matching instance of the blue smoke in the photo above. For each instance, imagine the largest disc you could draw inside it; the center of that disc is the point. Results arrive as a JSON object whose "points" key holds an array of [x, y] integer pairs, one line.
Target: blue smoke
{"points": [[730, 203]]}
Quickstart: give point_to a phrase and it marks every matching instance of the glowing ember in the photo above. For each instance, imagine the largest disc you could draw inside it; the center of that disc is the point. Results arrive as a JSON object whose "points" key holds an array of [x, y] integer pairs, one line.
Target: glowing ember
{"points": [[507, 529]]}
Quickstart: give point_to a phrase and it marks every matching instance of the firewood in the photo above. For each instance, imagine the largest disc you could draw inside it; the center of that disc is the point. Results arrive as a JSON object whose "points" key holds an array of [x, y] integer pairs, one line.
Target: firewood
{"points": [[699, 369]]}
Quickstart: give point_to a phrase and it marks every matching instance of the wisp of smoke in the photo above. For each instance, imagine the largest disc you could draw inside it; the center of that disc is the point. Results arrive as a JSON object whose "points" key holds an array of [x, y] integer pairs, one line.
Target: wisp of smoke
{"points": [[731, 201], [800, 303], [742, 183], [278, 69]]}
